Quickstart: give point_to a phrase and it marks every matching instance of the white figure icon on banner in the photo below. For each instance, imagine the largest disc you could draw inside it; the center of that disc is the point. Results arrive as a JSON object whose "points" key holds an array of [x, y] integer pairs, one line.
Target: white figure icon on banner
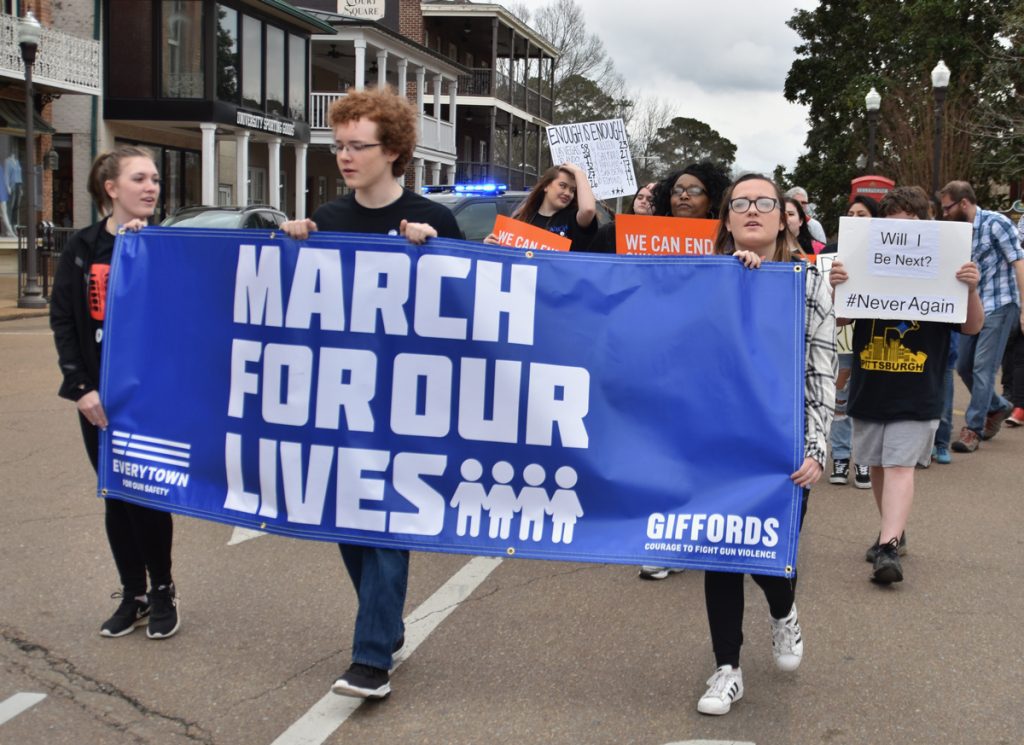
{"points": [[565, 506], [533, 504], [470, 497], [501, 501]]}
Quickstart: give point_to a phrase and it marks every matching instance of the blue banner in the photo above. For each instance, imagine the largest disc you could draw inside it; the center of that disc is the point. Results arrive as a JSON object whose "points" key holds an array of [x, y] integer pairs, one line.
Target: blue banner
{"points": [[459, 397]]}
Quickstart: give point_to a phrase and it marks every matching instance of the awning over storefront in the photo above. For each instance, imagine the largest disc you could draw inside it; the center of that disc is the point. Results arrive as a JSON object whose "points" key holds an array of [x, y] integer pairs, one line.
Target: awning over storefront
{"points": [[12, 120]]}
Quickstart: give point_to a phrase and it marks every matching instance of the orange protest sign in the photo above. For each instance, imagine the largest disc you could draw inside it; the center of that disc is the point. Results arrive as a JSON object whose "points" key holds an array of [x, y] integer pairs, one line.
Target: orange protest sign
{"points": [[517, 234], [644, 235]]}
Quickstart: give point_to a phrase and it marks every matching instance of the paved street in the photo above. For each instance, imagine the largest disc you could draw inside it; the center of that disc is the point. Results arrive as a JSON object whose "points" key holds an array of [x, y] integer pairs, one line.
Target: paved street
{"points": [[538, 652]]}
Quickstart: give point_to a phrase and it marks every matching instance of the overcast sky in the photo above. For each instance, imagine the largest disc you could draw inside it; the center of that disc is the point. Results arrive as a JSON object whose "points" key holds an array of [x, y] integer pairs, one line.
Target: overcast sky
{"points": [[723, 62]]}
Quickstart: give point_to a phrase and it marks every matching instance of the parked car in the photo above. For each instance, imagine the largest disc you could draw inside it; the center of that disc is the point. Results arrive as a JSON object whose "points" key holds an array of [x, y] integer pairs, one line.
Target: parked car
{"points": [[259, 216], [475, 206]]}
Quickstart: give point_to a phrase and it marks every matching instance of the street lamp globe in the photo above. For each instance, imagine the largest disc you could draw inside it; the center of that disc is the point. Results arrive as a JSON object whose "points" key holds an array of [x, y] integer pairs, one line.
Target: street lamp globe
{"points": [[29, 33], [940, 75], [873, 100]]}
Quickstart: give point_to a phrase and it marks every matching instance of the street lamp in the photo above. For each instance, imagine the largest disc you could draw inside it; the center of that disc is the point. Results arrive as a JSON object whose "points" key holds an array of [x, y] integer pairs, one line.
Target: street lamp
{"points": [[940, 81], [873, 102], [29, 32]]}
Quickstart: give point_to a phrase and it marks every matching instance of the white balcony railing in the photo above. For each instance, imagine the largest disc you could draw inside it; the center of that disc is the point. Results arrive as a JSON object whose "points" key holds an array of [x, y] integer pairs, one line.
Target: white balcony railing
{"points": [[65, 62], [432, 135]]}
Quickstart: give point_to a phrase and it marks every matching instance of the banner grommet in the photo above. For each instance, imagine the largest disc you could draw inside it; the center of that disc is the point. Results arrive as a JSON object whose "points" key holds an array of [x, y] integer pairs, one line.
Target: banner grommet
{"points": [[789, 570], [511, 551], [529, 254], [798, 267]]}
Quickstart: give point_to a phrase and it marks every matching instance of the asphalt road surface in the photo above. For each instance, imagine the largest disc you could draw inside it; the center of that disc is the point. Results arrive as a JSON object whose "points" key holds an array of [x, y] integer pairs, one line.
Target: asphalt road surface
{"points": [[506, 651]]}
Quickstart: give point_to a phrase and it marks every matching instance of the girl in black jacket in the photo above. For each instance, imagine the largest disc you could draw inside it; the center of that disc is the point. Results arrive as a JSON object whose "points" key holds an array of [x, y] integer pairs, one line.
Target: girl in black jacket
{"points": [[125, 184]]}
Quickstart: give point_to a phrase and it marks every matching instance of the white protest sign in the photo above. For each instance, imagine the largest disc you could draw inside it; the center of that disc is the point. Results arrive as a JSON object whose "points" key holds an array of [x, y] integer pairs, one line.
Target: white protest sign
{"points": [[903, 269], [601, 149]]}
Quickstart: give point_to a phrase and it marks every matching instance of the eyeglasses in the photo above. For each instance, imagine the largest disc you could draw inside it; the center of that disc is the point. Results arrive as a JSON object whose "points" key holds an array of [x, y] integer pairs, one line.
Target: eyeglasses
{"points": [[693, 191], [947, 207], [763, 204], [353, 147]]}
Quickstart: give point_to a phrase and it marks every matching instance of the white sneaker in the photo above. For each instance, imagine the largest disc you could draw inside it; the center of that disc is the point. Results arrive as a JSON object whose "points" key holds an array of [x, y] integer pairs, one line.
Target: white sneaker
{"points": [[787, 642], [647, 572], [724, 687]]}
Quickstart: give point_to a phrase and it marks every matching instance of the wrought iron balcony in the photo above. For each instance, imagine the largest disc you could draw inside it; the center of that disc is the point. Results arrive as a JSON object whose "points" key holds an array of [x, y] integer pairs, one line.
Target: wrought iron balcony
{"points": [[64, 62]]}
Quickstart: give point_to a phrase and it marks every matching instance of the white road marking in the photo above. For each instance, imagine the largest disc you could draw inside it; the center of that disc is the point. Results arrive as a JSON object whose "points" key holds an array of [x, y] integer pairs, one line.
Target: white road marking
{"points": [[330, 712], [241, 535], [18, 703]]}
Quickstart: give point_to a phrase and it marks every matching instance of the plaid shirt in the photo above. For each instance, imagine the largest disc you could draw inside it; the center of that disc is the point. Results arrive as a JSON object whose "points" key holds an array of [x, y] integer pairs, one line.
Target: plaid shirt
{"points": [[994, 247], [820, 365]]}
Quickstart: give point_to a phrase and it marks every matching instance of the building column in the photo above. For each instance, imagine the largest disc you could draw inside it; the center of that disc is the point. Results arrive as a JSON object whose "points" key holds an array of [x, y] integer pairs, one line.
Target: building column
{"points": [[421, 87], [437, 107], [449, 174], [453, 91], [417, 165], [241, 168], [274, 171], [382, 68], [435, 173], [300, 180], [209, 167], [360, 45], [403, 78]]}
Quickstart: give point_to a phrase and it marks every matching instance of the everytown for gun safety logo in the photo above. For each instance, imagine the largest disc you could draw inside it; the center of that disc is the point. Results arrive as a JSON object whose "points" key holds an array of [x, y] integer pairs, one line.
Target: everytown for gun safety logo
{"points": [[150, 465]]}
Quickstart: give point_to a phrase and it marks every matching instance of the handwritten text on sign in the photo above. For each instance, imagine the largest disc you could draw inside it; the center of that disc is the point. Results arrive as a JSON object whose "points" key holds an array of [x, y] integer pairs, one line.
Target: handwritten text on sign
{"points": [[601, 149]]}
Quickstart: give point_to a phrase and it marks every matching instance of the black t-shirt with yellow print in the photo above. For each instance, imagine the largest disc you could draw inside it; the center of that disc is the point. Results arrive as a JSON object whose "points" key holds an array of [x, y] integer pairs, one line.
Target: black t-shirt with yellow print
{"points": [[898, 369]]}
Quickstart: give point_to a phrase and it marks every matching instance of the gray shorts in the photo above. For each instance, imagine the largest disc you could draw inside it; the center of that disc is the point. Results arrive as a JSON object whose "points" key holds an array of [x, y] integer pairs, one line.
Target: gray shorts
{"points": [[904, 443]]}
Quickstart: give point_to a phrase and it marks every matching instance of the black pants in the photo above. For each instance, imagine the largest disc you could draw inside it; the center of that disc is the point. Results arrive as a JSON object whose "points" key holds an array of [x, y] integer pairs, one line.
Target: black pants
{"points": [[723, 595], [140, 538], [1013, 367]]}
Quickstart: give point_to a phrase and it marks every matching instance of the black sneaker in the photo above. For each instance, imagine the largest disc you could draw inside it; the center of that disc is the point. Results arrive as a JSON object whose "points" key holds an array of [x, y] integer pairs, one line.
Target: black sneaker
{"points": [[862, 477], [130, 613], [165, 620], [887, 564], [363, 681], [840, 471], [869, 555]]}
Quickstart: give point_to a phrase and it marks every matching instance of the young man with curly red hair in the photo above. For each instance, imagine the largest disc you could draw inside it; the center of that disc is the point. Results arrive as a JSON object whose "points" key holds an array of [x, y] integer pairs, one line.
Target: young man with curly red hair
{"points": [[374, 140]]}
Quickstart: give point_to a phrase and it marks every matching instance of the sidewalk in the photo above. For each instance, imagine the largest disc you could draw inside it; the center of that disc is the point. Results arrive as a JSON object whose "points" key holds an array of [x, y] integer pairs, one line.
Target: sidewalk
{"points": [[9, 309]]}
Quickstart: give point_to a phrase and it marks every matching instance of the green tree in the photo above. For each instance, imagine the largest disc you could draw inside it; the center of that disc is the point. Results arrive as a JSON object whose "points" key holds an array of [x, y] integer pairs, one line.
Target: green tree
{"points": [[851, 46], [580, 99], [685, 140]]}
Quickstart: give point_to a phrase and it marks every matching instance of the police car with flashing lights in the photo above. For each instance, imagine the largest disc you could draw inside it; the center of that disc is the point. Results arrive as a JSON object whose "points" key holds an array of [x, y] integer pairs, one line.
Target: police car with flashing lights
{"points": [[476, 205]]}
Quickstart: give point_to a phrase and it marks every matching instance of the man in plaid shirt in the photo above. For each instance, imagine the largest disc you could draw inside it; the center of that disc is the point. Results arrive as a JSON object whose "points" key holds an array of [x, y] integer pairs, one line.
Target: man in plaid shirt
{"points": [[997, 251]]}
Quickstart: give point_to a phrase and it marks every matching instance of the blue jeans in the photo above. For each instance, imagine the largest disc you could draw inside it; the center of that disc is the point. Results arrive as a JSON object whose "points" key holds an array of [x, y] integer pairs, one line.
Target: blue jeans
{"points": [[945, 430], [380, 577], [980, 357], [841, 435]]}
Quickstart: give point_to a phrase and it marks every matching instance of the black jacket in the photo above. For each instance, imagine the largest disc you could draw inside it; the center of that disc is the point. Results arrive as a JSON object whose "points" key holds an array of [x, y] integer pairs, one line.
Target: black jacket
{"points": [[78, 353]]}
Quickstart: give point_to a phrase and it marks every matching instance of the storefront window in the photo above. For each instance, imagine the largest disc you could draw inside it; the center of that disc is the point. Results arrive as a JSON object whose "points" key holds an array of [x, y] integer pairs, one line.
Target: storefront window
{"points": [[12, 195], [252, 62], [182, 24], [227, 54], [274, 71], [297, 77]]}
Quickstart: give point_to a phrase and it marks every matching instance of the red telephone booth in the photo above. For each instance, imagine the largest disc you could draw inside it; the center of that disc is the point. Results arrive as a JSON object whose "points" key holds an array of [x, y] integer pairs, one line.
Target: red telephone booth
{"points": [[875, 187]]}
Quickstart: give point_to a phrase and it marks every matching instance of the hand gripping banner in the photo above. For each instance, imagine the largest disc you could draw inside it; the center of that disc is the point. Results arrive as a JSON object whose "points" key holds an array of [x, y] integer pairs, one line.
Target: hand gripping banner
{"points": [[459, 397]]}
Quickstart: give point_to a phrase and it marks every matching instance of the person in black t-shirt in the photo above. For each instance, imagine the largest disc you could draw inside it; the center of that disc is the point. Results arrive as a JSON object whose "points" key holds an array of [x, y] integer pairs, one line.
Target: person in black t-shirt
{"points": [[125, 182], [561, 202], [374, 140], [896, 394]]}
